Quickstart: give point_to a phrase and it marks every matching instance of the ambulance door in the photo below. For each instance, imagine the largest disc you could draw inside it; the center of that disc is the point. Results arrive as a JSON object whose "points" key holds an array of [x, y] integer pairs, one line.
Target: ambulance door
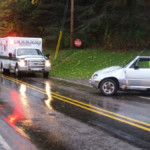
{"points": [[13, 60]]}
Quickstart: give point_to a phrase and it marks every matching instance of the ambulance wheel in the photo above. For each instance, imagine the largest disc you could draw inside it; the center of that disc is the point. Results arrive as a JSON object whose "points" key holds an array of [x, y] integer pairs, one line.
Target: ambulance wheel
{"points": [[3, 70], [45, 74], [17, 71]]}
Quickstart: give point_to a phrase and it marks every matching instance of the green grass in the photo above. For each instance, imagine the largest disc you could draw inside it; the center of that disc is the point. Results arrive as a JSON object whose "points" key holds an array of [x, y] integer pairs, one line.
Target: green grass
{"points": [[83, 63]]}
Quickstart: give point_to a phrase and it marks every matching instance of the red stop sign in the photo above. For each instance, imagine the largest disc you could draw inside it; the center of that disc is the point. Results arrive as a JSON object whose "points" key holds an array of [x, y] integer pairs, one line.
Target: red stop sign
{"points": [[78, 42]]}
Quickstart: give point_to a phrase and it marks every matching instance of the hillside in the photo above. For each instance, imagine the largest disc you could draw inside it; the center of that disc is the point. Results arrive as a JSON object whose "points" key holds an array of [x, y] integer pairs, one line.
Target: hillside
{"points": [[83, 63]]}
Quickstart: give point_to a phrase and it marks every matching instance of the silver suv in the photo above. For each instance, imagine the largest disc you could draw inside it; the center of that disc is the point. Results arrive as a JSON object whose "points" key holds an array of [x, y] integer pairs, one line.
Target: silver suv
{"points": [[134, 76]]}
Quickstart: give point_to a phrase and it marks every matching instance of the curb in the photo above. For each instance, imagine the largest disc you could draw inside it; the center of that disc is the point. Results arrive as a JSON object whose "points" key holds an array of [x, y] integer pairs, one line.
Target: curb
{"points": [[84, 82]]}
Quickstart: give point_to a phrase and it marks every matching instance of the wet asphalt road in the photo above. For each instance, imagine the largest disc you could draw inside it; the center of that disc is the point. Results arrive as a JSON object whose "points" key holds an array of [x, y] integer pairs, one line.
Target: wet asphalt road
{"points": [[54, 114]]}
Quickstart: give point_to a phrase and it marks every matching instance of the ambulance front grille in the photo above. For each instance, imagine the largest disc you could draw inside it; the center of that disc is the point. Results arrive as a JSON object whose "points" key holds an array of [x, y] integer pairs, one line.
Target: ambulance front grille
{"points": [[36, 63]]}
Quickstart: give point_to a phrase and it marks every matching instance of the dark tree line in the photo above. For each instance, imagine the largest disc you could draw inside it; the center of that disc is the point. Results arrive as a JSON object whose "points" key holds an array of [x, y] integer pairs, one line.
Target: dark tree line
{"points": [[113, 24]]}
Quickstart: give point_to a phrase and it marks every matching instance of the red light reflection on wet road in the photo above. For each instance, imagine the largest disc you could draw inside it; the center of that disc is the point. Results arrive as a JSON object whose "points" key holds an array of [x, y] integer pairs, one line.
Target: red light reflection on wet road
{"points": [[14, 117], [18, 111]]}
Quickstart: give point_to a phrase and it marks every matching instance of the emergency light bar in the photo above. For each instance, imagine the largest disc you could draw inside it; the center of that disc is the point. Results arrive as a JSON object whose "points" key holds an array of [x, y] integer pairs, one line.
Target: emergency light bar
{"points": [[12, 41]]}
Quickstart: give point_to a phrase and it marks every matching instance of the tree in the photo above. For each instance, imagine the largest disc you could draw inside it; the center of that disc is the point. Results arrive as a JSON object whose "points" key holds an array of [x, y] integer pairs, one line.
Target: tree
{"points": [[112, 24], [7, 18]]}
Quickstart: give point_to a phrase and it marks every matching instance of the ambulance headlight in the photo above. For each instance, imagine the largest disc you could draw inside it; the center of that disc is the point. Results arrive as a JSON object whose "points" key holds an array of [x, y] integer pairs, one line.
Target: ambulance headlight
{"points": [[47, 63], [22, 63]]}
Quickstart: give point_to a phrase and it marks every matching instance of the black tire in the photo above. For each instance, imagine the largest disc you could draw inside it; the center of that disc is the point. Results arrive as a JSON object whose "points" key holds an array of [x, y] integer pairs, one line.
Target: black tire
{"points": [[108, 87], [1, 68], [4, 71], [45, 74], [7, 71]]}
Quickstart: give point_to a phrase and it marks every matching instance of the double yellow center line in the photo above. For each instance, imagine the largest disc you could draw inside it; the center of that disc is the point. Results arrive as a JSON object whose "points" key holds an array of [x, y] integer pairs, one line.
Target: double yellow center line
{"points": [[127, 120]]}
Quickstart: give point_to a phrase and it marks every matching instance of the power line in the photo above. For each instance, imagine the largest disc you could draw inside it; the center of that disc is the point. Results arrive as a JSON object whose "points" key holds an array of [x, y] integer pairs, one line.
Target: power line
{"points": [[65, 13]]}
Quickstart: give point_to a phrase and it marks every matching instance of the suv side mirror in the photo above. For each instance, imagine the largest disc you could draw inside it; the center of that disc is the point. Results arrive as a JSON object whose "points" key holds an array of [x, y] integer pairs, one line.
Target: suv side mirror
{"points": [[136, 67]]}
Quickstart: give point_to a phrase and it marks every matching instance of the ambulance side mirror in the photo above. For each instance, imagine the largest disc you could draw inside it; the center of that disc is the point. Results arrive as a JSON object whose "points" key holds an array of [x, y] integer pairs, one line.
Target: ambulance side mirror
{"points": [[47, 55], [10, 55]]}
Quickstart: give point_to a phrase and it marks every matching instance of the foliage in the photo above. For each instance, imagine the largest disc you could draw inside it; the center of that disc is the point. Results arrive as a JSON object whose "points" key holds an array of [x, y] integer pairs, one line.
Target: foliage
{"points": [[111, 24], [6, 17], [116, 24]]}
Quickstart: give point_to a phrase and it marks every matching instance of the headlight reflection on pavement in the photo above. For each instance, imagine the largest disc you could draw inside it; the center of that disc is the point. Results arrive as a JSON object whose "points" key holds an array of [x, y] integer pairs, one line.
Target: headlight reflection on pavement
{"points": [[49, 95], [23, 89], [25, 101]]}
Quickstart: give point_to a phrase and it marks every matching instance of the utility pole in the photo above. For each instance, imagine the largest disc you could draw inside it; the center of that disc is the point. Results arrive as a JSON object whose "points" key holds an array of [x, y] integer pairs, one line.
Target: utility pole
{"points": [[71, 24]]}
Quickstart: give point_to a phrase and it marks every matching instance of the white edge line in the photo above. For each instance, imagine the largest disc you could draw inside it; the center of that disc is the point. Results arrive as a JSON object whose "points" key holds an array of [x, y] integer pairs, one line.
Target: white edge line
{"points": [[4, 143], [145, 97]]}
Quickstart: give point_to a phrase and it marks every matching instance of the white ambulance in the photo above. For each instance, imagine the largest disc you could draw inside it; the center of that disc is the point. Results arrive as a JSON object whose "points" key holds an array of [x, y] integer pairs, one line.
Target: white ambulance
{"points": [[23, 54]]}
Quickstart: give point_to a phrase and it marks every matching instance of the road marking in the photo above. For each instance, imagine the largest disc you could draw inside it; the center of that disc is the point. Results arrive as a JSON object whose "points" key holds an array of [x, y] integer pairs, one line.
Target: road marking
{"points": [[148, 98], [67, 98], [4, 144], [139, 124], [109, 116]]}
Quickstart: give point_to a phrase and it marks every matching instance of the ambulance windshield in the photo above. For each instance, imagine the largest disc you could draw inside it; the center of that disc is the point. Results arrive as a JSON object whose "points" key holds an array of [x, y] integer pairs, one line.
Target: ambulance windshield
{"points": [[21, 52]]}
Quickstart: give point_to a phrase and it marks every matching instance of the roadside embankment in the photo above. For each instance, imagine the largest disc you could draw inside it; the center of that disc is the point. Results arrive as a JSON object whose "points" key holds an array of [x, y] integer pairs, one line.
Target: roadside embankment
{"points": [[82, 63]]}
